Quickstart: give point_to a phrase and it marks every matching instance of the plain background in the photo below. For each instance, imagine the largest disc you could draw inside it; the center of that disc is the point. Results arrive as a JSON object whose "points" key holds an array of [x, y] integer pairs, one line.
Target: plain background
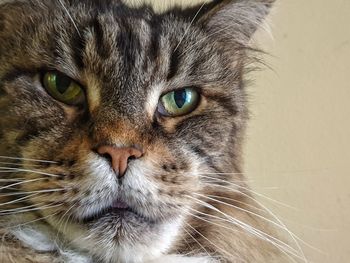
{"points": [[298, 143]]}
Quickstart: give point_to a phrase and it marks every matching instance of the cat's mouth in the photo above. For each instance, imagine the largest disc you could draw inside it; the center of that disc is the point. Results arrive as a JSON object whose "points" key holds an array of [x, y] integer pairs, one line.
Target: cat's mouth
{"points": [[118, 210]]}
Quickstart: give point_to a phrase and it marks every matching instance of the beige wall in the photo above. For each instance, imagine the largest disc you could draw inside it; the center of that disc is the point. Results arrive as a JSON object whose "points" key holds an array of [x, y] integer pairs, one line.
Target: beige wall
{"points": [[298, 147]]}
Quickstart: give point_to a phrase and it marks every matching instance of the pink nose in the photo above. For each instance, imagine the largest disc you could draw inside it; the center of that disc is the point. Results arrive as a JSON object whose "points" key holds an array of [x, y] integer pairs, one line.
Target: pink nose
{"points": [[119, 157]]}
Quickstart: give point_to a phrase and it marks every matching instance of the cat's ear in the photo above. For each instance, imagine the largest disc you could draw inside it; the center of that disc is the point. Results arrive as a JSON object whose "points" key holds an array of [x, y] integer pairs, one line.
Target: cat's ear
{"points": [[237, 19]]}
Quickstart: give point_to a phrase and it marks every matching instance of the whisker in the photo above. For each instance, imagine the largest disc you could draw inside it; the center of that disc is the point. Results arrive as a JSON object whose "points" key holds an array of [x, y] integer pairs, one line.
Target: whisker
{"points": [[222, 174], [219, 248], [242, 209], [189, 27], [199, 42], [210, 222], [70, 17], [18, 164], [19, 208], [250, 229], [11, 180], [246, 189], [30, 210], [282, 249], [60, 221], [237, 201], [183, 238], [18, 200], [188, 233], [32, 221], [23, 182], [292, 235], [34, 192], [26, 159], [29, 171]]}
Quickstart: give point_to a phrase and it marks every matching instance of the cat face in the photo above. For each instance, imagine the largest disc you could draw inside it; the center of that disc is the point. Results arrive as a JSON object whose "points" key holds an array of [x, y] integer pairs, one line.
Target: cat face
{"points": [[80, 87]]}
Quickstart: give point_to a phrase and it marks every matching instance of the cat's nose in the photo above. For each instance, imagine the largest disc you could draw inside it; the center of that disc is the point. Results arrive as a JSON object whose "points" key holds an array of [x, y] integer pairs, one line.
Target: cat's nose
{"points": [[119, 157]]}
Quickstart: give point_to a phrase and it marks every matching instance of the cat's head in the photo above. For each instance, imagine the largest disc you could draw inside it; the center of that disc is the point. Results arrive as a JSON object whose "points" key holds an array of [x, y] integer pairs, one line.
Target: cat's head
{"points": [[136, 114]]}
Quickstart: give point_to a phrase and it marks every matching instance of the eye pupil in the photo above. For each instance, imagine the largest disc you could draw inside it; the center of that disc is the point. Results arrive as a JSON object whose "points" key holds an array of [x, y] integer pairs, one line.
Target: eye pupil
{"points": [[180, 98], [62, 83]]}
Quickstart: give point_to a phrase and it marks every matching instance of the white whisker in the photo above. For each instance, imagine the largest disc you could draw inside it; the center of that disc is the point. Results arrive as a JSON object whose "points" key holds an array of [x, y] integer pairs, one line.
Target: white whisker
{"points": [[222, 174], [70, 17], [292, 235], [213, 217], [250, 229], [32, 221], [16, 211], [18, 200], [241, 209], [29, 171], [23, 182], [235, 230], [213, 223], [34, 192], [18, 164], [189, 27], [188, 233], [19, 208], [11, 180], [25, 159], [246, 189], [60, 221], [237, 201], [219, 248]]}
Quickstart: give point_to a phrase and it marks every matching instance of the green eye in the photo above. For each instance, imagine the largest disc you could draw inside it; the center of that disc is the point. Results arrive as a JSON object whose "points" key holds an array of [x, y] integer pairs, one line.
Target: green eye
{"points": [[63, 88], [178, 102]]}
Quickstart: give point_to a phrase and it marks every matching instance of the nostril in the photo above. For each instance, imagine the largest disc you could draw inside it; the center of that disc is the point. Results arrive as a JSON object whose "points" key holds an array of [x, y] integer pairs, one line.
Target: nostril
{"points": [[131, 158], [107, 157]]}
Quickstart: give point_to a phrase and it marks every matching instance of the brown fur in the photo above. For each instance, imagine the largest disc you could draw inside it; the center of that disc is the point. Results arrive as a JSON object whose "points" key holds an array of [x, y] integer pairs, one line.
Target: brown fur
{"points": [[120, 55]]}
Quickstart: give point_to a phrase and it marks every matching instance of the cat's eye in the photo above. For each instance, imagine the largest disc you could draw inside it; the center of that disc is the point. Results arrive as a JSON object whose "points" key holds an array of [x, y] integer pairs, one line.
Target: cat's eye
{"points": [[63, 88], [179, 102]]}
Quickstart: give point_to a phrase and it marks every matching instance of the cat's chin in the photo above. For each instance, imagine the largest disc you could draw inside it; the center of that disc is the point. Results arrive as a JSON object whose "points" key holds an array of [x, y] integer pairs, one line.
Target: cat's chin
{"points": [[124, 234], [118, 236]]}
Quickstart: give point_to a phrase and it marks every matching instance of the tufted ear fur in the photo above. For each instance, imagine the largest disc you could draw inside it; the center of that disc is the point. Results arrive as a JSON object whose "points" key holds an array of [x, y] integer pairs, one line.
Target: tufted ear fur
{"points": [[240, 18], [234, 19]]}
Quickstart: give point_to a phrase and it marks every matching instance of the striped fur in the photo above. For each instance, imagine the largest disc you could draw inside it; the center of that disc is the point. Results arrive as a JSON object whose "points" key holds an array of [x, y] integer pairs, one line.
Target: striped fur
{"points": [[190, 200]]}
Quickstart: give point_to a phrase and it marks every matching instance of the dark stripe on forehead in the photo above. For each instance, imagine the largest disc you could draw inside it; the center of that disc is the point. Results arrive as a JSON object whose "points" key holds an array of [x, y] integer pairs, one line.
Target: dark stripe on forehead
{"points": [[154, 46], [78, 44], [174, 64], [128, 44], [2, 91], [2, 23], [102, 48]]}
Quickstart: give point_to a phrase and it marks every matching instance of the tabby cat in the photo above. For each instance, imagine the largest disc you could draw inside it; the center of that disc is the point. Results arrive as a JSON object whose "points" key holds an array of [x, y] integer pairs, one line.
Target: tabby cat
{"points": [[121, 133]]}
